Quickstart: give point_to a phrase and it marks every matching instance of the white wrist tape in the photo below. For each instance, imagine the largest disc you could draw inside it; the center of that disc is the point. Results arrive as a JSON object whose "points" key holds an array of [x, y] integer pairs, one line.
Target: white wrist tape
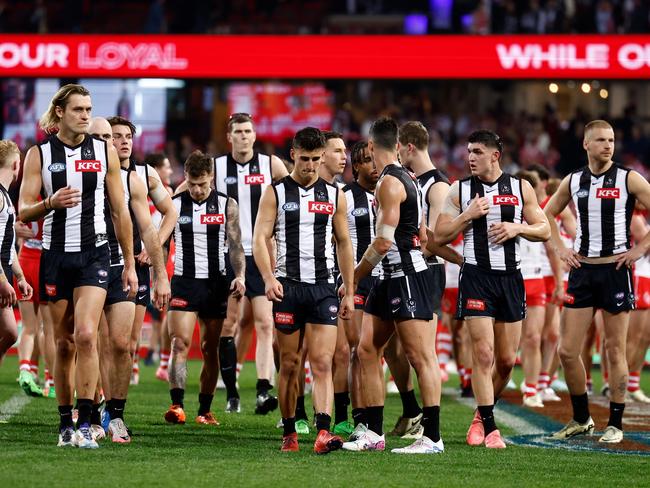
{"points": [[372, 256], [158, 194], [386, 231]]}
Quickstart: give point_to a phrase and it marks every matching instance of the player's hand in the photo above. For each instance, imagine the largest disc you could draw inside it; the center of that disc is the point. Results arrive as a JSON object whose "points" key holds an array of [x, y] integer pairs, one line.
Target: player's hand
{"points": [[143, 258], [237, 288], [25, 288], [7, 293], [161, 292], [346, 307], [274, 291], [558, 294], [65, 198], [23, 231], [628, 258], [502, 232], [341, 291], [477, 208], [569, 256], [130, 281]]}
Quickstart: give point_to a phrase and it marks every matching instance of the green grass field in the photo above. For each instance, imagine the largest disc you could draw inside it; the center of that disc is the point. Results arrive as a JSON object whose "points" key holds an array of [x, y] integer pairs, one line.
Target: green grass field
{"points": [[244, 450]]}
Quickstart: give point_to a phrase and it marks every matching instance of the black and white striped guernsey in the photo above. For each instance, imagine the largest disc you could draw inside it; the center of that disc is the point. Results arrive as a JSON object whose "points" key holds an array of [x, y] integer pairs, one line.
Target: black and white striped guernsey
{"points": [[361, 219], [426, 181], [200, 235], [604, 207], [506, 202], [303, 230], [7, 233], [115, 250], [244, 182], [405, 255], [82, 167]]}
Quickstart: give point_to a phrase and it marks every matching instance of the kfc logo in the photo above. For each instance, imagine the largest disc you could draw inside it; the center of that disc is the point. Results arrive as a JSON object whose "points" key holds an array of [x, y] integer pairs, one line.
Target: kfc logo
{"points": [[608, 193], [213, 219], [473, 304], [284, 318], [321, 207], [88, 166], [254, 179], [505, 200]]}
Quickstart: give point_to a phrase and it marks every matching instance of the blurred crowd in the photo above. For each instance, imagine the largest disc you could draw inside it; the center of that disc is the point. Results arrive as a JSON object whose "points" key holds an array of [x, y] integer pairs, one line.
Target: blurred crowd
{"points": [[327, 17]]}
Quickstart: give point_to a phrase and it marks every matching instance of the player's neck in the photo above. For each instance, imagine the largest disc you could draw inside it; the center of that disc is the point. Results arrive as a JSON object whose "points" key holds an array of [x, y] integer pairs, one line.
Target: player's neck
{"points": [[302, 181], [421, 163], [366, 185], [242, 157], [491, 176], [125, 163], [383, 159], [6, 177], [327, 175], [599, 167], [70, 138]]}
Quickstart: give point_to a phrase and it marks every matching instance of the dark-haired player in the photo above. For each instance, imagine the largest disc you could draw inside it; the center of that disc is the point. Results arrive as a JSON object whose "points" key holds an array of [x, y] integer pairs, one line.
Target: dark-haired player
{"points": [[493, 210], [304, 212]]}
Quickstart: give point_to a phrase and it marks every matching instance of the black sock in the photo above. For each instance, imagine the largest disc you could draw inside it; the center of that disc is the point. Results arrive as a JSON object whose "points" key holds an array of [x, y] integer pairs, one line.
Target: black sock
{"points": [[118, 408], [375, 416], [110, 408], [95, 415], [178, 395], [580, 407], [85, 406], [616, 414], [301, 413], [263, 386], [65, 416], [487, 416], [410, 407], [359, 416], [228, 365], [341, 402], [323, 421], [431, 422], [289, 426], [205, 402]]}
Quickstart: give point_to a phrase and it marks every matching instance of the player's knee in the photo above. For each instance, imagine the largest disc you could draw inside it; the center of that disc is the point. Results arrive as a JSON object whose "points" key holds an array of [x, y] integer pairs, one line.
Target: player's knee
{"points": [[121, 346], [552, 336], [533, 339], [567, 354], [179, 345], [367, 352], [65, 346], [264, 327], [85, 338], [321, 364], [209, 348], [290, 363], [483, 355], [615, 352], [342, 354], [504, 365]]}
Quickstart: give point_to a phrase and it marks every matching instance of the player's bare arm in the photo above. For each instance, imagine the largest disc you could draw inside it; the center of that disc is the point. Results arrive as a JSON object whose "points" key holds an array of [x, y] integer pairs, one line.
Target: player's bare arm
{"points": [[235, 249], [163, 203], [640, 188], [121, 220], [390, 193], [278, 169], [344, 256], [452, 221], [535, 228], [25, 288], [149, 235], [264, 226], [436, 200], [569, 223], [31, 208], [554, 207]]}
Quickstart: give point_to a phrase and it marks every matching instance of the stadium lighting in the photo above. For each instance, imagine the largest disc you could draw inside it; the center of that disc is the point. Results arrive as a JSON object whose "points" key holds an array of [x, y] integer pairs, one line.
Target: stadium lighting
{"points": [[585, 87], [160, 83], [553, 87], [604, 93]]}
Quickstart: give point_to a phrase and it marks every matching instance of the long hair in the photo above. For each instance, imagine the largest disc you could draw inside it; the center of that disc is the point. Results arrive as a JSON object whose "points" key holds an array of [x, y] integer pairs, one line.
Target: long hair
{"points": [[49, 121]]}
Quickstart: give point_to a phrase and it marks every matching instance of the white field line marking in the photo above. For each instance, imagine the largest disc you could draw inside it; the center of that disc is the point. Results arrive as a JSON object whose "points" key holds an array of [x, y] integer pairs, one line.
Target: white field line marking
{"points": [[13, 406]]}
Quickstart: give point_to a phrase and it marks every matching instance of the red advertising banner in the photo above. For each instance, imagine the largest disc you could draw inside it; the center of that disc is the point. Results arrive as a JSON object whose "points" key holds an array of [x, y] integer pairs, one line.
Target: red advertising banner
{"points": [[294, 57]]}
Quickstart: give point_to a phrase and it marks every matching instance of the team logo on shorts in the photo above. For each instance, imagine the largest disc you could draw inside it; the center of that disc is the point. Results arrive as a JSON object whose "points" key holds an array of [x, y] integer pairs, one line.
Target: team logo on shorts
{"points": [[396, 301], [56, 167], [178, 302], [50, 290], [284, 318], [103, 273], [290, 206], [475, 304], [360, 212], [184, 219], [230, 180], [142, 288], [334, 309], [411, 305]]}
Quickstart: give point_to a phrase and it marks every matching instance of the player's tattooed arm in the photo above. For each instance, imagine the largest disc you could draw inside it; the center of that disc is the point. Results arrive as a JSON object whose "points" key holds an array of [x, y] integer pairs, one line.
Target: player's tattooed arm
{"points": [[235, 248]]}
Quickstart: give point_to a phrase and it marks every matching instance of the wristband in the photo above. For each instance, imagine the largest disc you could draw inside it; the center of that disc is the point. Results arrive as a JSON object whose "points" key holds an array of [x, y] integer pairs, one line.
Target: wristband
{"points": [[372, 256]]}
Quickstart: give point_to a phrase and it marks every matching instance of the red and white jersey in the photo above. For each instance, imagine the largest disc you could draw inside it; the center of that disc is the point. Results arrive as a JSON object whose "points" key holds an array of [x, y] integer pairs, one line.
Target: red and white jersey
{"points": [[453, 270], [533, 255], [35, 242], [566, 240]]}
